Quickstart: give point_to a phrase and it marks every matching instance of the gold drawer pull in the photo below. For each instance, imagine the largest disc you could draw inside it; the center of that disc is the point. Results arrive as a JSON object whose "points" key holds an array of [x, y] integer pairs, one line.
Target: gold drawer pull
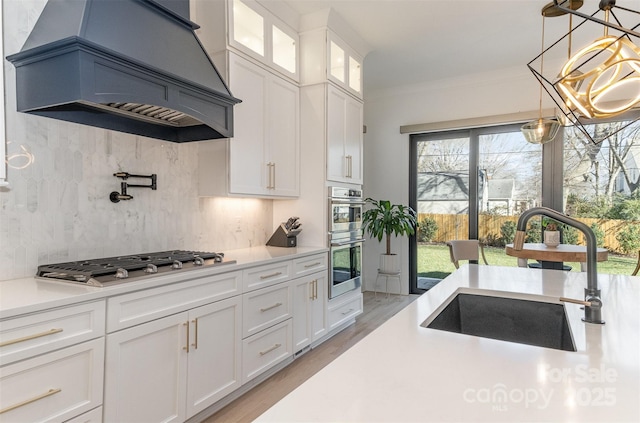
{"points": [[270, 307], [28, 337], [317, 263], [268, 350], [271, 275], [29, 401]]}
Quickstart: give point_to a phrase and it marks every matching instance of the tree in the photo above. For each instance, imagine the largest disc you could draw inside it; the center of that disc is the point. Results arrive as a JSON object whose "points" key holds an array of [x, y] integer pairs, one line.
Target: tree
{"points": [[595, 168]]}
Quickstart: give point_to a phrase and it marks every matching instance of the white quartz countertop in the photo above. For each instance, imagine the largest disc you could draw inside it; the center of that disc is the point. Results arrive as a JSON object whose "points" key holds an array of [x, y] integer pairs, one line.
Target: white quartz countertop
{"points": [[28, 295], [403, 372]]}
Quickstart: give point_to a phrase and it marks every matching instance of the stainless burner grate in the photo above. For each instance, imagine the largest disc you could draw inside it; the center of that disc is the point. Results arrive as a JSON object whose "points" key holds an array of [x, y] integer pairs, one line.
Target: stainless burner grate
{"points": [[98, 271]]}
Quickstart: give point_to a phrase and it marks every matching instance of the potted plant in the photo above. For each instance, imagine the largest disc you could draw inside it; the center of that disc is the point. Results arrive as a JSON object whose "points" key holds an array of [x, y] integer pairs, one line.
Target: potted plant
{"points": [[384, 219], [551, 235]]}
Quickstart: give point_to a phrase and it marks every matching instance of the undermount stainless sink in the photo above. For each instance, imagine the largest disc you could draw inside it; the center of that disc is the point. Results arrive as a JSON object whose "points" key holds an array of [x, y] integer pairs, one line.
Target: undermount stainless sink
{"points": [[529, 322]]}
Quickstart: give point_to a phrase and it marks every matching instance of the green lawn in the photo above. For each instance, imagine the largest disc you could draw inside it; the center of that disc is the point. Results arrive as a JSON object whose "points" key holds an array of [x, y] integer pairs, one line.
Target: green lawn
{"points": [[434, 261]]}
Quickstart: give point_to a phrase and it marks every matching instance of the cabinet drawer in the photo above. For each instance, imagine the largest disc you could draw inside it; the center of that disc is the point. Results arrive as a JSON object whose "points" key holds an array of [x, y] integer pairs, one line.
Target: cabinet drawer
{"points": [[262, 276], [343, 311], [143, 306], [265, 307], [307, 265], [93, 416], [53, 387], [34, 334], [266, 349]]}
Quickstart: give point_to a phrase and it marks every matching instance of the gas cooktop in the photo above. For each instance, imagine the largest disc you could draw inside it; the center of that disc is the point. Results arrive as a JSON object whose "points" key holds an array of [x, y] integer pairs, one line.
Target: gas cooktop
{"points": [[114, 270]]}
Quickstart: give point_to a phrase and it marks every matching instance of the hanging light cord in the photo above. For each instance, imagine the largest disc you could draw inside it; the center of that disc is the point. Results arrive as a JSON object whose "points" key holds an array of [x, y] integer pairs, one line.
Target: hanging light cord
{"points": [[541, 69]]}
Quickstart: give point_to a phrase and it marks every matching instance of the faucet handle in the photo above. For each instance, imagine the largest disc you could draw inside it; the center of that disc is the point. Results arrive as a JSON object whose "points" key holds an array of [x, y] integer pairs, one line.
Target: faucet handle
{"points": [[574, 301], [518, 240]]}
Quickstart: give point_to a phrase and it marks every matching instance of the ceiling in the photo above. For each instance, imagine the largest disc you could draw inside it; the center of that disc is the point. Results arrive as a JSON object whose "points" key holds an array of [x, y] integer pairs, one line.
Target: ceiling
{"points": [[419, 41]]}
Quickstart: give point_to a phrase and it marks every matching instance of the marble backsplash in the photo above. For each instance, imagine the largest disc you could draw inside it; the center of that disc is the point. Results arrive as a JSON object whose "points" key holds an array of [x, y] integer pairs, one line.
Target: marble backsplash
{"points": [[57, 207]]}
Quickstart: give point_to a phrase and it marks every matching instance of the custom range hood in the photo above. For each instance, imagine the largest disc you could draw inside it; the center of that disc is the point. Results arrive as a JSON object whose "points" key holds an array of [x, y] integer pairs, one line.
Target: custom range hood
{"points": [[133, 66]]}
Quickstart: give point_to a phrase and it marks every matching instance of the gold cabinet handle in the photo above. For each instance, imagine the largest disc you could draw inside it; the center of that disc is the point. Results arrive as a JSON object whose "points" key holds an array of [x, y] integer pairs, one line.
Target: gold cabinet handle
{"points": [[317, 263], [28, 337], [271, 275], [29, 401], [270, 307], [311, 290], [195, 338], [273, 169], [269, 175], [314, 289], [186, 347], [268, 350]]}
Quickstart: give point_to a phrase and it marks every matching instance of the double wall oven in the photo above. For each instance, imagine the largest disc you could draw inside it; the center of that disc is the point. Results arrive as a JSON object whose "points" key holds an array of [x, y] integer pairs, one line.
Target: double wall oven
{"points": [[345, 239]]}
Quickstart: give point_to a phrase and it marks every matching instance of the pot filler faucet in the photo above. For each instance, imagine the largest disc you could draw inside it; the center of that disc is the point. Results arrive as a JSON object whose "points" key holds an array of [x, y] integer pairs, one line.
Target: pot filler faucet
{"points": [[592, 303]]}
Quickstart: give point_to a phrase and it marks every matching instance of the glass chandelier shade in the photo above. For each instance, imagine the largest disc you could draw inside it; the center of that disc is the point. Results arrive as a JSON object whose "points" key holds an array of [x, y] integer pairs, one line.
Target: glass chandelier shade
{"points": [[540, 131]]}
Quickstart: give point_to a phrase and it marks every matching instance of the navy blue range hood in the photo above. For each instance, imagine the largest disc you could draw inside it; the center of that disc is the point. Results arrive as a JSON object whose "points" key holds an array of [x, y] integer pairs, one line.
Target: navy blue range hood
{"points": [[134, 66]]}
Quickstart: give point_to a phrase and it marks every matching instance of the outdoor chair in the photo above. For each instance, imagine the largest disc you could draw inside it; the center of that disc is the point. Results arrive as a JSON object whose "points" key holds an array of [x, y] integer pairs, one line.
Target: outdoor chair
{"points": [[465, 250]]}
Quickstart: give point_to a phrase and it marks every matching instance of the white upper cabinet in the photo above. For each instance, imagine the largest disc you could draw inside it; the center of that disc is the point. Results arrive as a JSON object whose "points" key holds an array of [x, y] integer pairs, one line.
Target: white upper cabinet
{"points": [[247, 27], [345, 67], [344, 137], [262, 159], [326, 57], [257, 55]]}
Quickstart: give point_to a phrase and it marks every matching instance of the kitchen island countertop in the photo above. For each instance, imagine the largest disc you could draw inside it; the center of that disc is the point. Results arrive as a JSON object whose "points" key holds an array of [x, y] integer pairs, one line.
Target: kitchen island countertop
{"points": [[28, 295], [403, 372]]}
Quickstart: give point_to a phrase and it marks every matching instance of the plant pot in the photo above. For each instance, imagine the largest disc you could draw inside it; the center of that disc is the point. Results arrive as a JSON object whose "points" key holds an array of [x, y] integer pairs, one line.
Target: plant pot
{"points": [[389, 263], [551, 238]]}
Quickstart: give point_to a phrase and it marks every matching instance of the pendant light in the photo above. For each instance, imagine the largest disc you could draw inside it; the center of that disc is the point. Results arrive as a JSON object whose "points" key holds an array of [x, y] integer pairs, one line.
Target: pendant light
{"points": [[541, 130], [593, 80]]}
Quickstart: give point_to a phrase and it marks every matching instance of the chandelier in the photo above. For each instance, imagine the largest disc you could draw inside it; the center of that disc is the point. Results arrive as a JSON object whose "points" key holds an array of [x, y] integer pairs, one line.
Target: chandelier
{"points": [[600, 80]]}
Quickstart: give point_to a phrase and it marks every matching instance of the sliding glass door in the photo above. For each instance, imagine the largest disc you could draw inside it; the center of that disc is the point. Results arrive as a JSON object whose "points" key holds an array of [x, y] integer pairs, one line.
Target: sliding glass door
{"points": [[468, 184]]}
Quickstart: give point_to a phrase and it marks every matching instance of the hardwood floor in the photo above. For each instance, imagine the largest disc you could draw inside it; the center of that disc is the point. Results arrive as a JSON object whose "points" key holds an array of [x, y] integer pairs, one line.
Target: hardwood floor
{"points": [[255, 402]]}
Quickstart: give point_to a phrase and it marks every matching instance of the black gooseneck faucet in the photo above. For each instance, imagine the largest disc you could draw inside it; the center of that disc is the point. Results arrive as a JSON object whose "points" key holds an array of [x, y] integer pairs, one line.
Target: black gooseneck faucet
{"points": [[592, 302]]}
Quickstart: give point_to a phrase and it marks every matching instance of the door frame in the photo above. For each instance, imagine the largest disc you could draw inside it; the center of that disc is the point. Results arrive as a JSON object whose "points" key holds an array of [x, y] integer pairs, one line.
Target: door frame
{"points": [[473, 134]]}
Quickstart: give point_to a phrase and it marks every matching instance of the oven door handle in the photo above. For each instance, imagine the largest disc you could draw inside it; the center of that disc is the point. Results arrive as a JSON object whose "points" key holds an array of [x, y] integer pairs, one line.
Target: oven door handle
{"points": [[340, 244], [346, 201]]}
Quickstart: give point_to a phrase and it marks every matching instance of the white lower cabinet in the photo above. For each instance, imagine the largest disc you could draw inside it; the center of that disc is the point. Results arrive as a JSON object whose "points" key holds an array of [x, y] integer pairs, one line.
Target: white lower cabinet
{"points": [[265, 307], [344, 308], [264, 350], [93, 416], [53, 387], [309, 305], [215, 353], [267, 327], [171, 368], [146, 372]]}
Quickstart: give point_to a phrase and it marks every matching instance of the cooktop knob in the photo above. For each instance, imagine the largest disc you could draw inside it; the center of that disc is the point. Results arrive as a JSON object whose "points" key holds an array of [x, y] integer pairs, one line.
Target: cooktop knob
{"points": [[122, 273], [151, 268], [177, 264], [198, 261]]}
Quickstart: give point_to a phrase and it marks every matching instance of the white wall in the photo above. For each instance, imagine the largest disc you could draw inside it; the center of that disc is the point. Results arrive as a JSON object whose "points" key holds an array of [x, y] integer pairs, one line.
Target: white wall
{"points": [[57, 208], [386, 167]]}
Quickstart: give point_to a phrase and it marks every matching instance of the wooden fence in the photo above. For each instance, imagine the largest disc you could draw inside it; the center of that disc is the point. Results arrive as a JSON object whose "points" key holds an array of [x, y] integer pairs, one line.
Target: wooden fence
{"points": [[456, 226]]}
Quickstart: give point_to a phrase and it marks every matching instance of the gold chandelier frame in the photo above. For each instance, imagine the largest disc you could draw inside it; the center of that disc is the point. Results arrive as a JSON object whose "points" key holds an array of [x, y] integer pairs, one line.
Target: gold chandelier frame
{"points": [[588, 87]]}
